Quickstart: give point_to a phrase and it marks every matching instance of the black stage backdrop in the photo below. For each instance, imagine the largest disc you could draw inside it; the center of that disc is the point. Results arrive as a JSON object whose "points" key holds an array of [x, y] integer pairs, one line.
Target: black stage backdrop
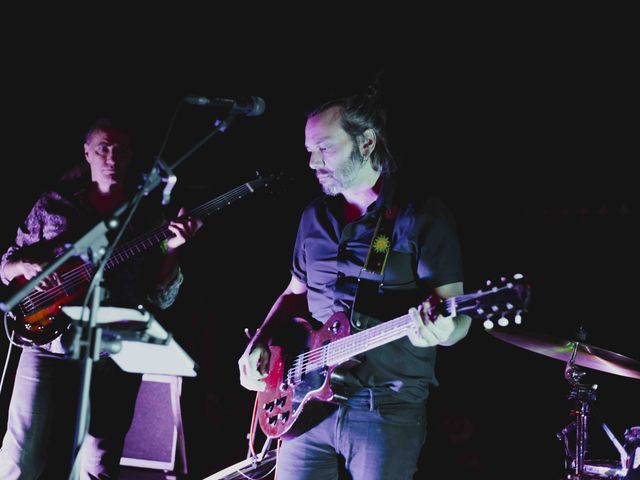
{"points": [[531, 147]]}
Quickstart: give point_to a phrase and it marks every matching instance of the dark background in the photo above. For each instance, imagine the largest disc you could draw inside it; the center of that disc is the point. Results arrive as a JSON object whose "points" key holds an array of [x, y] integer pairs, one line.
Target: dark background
{"points": [[531, 144]]}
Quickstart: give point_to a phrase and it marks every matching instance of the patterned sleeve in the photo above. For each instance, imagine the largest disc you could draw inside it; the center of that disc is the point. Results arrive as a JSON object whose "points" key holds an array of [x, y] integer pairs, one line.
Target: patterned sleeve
{"points": [[30, 232], [164, 298], [440, 257]]}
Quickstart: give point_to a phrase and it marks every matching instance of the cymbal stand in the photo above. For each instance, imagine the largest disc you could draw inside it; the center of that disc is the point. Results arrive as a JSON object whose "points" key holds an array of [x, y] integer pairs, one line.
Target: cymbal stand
{"points": [[583, 394]]}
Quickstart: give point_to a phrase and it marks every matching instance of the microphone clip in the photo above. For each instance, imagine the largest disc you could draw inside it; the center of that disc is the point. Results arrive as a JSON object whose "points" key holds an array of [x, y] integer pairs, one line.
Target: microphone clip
{"points": [[162, 170]]}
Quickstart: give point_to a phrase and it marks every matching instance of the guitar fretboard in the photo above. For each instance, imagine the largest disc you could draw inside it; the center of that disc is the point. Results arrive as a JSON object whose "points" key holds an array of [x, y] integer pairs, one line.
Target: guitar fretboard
{"points": [[75, 278], [479, 304]]}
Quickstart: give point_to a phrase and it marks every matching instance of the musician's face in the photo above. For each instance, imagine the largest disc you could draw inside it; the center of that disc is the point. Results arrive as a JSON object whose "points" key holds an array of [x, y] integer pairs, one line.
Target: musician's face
{"points": [[108, 152], [333, 154]]}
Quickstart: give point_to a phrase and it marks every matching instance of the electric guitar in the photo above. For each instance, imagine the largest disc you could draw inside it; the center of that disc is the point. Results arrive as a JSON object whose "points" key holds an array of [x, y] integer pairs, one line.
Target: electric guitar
{"points": [[38, 318], [312, 375]]}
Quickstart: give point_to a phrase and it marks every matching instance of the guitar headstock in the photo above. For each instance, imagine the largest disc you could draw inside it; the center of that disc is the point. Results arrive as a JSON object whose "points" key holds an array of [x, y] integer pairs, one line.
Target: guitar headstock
{"points": [[268, 181], [502, 302]]}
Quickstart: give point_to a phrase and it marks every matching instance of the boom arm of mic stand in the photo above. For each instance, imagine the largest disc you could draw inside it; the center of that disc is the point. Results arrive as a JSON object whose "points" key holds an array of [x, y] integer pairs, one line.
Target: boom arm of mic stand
{"points": [[154, 177], [220, 126]]}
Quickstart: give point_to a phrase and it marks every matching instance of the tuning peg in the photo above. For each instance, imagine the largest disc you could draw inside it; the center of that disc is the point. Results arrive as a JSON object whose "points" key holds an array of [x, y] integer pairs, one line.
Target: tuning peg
{"points": [[488, 324], [517, 319], [518, 276], [503, 321], [488, 283]]}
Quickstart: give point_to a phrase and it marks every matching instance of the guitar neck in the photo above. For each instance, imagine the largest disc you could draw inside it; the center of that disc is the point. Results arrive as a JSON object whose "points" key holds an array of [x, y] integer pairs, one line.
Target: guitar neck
{"points": [[82, 274], [474, 305], [155, 237], [345, 348]]}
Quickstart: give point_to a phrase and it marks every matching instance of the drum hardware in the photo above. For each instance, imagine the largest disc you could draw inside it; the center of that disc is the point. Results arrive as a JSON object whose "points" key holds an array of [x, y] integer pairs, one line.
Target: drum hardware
{"points": [[577, 353]]}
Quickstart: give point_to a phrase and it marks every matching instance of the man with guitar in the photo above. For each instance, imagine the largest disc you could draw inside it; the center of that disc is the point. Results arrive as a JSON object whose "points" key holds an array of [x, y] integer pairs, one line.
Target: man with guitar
{"points": [[42, 414], [366, 251]]}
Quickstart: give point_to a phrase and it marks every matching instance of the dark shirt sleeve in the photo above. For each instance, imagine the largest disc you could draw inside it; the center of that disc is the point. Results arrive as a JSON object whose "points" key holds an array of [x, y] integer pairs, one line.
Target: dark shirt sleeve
{"points": [[299, 267], [439, 258], [161, 298]]}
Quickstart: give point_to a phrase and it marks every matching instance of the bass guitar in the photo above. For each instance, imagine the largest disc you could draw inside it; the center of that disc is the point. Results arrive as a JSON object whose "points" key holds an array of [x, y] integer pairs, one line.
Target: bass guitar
{"points": [[38, 318]]}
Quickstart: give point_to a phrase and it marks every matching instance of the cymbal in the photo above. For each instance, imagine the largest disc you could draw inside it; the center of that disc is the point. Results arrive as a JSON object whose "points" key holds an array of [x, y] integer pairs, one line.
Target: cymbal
{"points": [[586, 356]]}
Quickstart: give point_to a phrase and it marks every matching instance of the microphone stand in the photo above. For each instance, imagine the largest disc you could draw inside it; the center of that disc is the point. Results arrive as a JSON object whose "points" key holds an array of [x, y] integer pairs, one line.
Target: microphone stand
{"points": [[88, 341], [92, 245], [87, 349], [220, 126]]}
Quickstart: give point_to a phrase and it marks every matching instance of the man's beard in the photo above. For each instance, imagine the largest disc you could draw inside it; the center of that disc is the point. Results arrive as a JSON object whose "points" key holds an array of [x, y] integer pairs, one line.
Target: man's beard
{"points": [[345, 176]]}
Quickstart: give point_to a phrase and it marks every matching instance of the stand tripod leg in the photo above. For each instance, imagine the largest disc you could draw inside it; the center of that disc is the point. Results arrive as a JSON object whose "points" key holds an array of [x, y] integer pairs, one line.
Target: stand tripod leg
{"points": [[581, 438]]}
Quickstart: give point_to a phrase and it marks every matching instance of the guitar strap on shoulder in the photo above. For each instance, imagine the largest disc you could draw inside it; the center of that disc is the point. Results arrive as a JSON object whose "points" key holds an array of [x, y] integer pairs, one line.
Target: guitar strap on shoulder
{"points": [[381, 241], [378, 254], [376, 259]]}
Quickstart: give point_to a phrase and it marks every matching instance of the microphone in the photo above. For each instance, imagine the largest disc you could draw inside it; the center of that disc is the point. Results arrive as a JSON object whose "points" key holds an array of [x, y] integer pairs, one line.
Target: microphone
{"points": [[251, 107]]}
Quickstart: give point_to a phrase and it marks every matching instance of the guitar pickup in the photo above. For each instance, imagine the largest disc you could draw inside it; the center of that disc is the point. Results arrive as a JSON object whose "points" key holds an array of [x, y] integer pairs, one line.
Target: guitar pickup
{"points": [[269, 406], [281, 401]]}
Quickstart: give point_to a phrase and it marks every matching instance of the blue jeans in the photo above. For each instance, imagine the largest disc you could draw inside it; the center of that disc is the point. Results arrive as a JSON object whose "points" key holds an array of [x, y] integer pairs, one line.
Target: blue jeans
{"points": [[42, 419], [377, 440]]}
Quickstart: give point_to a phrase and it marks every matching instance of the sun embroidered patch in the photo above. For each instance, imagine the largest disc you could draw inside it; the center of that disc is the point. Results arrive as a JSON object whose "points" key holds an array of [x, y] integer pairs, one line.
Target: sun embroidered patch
{"points": [[381, 244]]}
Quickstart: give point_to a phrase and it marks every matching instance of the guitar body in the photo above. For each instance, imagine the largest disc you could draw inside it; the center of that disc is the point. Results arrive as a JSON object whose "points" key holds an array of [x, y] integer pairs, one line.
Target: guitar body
{"points": [[289, 390], [38, 319]]}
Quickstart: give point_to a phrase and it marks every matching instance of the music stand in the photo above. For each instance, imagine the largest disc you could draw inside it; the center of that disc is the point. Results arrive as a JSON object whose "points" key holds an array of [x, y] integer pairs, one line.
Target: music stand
{"points": [[144, 345]]}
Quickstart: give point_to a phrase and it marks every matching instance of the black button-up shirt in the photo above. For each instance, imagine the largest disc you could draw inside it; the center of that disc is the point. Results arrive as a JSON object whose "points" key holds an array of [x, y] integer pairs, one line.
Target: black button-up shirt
{"points": [[329, 256]]}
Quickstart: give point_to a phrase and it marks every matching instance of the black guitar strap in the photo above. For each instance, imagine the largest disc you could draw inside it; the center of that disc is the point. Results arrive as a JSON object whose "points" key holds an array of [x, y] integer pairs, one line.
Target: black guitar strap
{"points": [[381, 241], [376, 259]]}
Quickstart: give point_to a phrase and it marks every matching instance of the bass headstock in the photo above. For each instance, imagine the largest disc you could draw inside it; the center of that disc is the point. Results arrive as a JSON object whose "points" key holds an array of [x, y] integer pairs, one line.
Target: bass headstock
{"points": [[270, 182]]}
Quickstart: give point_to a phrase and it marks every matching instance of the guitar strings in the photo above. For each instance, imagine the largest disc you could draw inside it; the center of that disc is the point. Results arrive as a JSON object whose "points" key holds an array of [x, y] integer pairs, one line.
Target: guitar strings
{"points": [[342, 347], [83, 271], [326, 355], [78, 275]]}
